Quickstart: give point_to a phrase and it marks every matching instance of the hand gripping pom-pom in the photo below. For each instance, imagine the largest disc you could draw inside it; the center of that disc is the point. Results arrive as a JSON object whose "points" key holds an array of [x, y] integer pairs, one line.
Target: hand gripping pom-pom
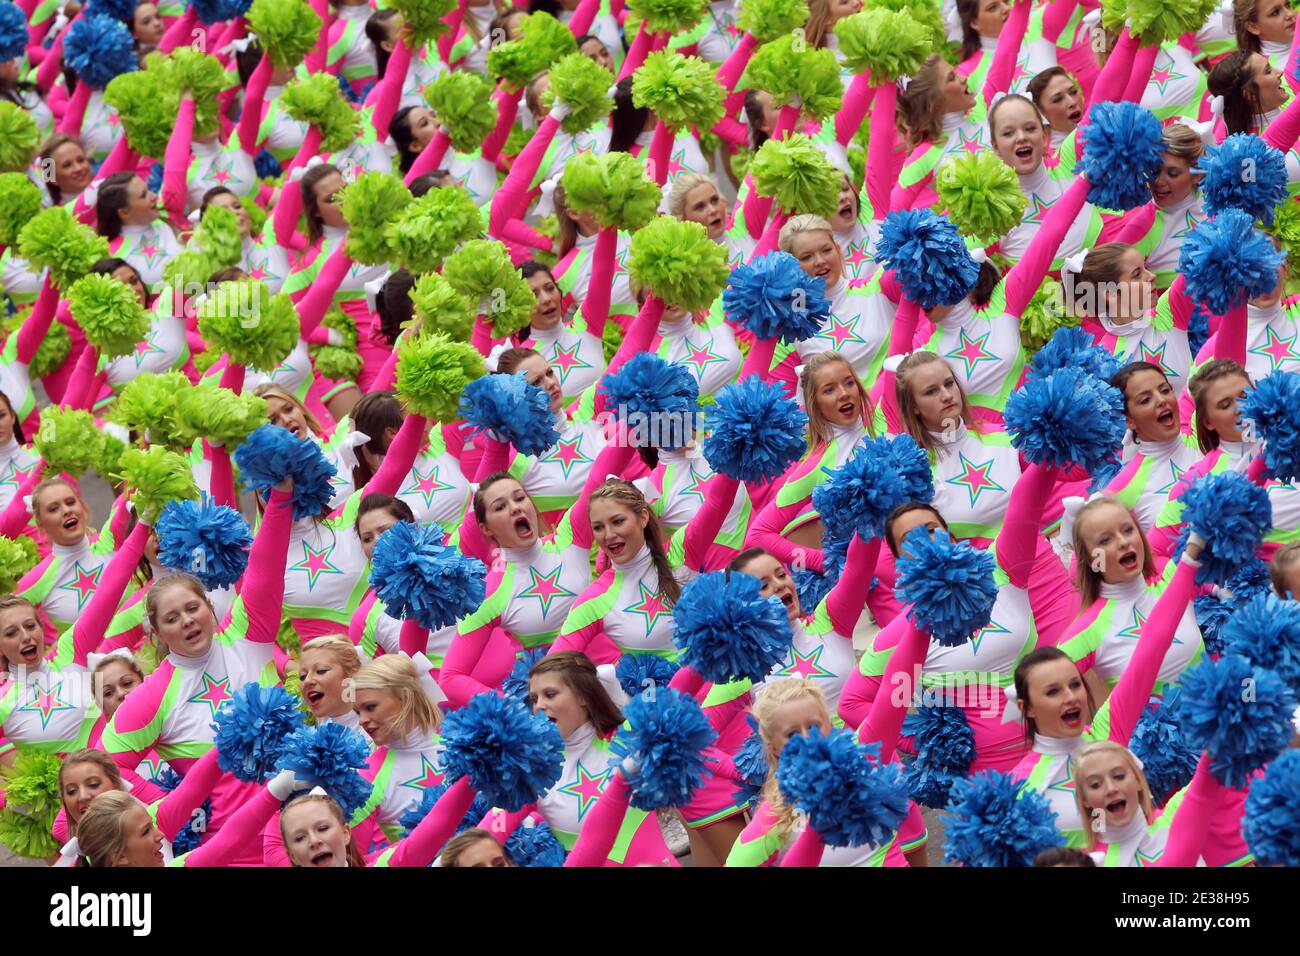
{"points": [[945, 747], [423, 20], [416, 575], [751, 765], [681, 90], [17, 557], [666, 733], [1232, 514], [542, 40], [678, 262], [1227, 260], [205, 539], [150, 404], [643, 673], [67, 440], [1272, 410], [1074, 348], [928, 256], [433, 371], [882, 474], [1243, 172], [252, 729], [271, 454], [1067, 417], [481, 271], [317, 100], [614, 188], [994, 821], [756, 431], [255, 328], [98, 48], [1168, 761], [287, 29], [1121, 154], [581, 84], [219, 415], [463, 104], [1271, 825], [509, 409], [774, 298], [1266, 631], [19, 139], [727, 630], [667, 16], [330, 756], [949, 585], [158, 477], [658, 401], [850, 799], [509, 755], [1241, 714], [886, 43], [768, 20]]}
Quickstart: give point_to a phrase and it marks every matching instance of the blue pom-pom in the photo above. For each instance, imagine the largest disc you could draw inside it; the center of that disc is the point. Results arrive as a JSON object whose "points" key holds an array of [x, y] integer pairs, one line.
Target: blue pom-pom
{"points": [[945, 747], [1211, 614], [1198, 329], [1072, 347], [658, 401], [478, 809], [330, 756], [418, 576], [512, 410], [1272, 408], [813, 586], [123, 10], [1226, 260], [510, 755], [949, 585], [751, 764], [1104, 472], [757, 433], [1066, 418], [167, 779], [1243, 172], [515, 686], [1239, 713], [531, 846], [253, 728], [773, 297], [928, 257], [1122, 151], [13, 32], [189, 835], [205, 539], [1250, 579], [1168, 760], [638, 673], [216, 11], [271, 454], [1266, 631], [835, 551], [267, 166], [850, 799], [1232, 514], [994, 821], [1271, 824], [665, 735], [98, 48], [155, 180], [727, 630], [882, 474]]}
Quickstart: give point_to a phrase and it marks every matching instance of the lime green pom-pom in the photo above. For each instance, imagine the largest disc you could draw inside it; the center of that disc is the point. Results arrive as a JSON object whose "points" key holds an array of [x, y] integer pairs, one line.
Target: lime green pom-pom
{"points": [[257, 216], [186, 70], [19, 138], [218, 237], [148, 406], [339, 362], [463, 104], [610, 339], [1285, 228], [427, 230], [1045, 314], [516, 140], [542, 40], [318, 100], [886, 43], [668, 16], [740, 164], [982, 195], [927, 13], [218, 414], [432, 371], [28, 837], [249, 324], [157, 477], [109, 313], [17, 557], [189, 272], [788, 68], [369, 204], [681, 90], [20, 201], [286, 29], [108, 461], [797, 174], [147, 108], [678, 262], [206, 359], [766, 20], [54, 240], [53, 350], [422, 20], [442, 309], [67, 440], [482, 272], [614, 188], [32, 792], [1157, 21], [581, 84]]}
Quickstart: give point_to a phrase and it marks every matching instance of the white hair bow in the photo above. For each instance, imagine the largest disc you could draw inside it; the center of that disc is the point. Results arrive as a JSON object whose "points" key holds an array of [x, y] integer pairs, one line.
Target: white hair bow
{"points": [[998, 97], [317, 792], [240, 45], [301, 171], [612, 91], [903, 83], [90, 195], [93, 660], [1012, 714], [546, 202], [27, 502], [1217, 106], [427, 683], [195, 216], [1072, 505], [491, 361], [1074, 263], [893, 361], [979, 254], [373, 288], [1205, 131], [1091, 19], [70, 851]]}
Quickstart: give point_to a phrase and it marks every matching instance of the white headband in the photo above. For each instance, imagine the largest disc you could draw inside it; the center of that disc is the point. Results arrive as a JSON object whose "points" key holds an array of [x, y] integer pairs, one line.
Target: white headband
{"points": [[1074, 263], [239, 46], [427, 683], [317, 792], [1216, 106], [1073, 505], [195, 216], [90, 195], [979, 254], [93, 660], [903, 83]]}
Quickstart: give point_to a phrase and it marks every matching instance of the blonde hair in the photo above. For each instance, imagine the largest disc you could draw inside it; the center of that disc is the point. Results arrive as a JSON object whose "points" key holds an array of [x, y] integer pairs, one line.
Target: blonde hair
{"points": [[166, 583], [397, 674], [818, 26], [271, 390], [770, 698], [819, 430], [461, 842], [101, 760], [102, 830], [1183, 142], [45, 483], [907, 410], [681, 188], [340, 649], [797, 226], [1286, 556], [1103, 747], [627, 495], [1088, 581]]}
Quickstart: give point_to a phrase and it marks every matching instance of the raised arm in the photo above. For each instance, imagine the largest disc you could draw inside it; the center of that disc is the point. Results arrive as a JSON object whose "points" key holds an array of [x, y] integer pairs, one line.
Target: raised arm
{"points": [[254, 100], [399, 458], [177, 808], [1028, 274], [848, 598], [998, 78], [705, 525], [263, 594], [595, 307], [90, 627], [423, 843], [1017, 542]]}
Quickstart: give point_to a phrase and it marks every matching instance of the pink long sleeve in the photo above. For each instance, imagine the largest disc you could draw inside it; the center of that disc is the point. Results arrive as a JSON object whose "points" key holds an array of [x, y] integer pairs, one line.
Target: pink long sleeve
{"points": [[88, 631], [637, 51], [237, 833], [613, 459], [1230, 340], [1017, 542], [310, 147], [511, 198], [1135, 225], [595, 307], [766, 530], [759, 360], [399, 458], [733, 68], [507, 102], [16, 515], [414, 637], [857, 100], [454, 20], [848, 598], [601, 827], [75, 114], [1144, 62], [176, 809], [703, 528], [1027, 275], [756, 210], [177, 163], [314, 305], [33, 331], [423, 844], [179, 32], [82, 389], [53, 62], [223, 477], [1283, 132], [496, 457], [998, 78], [880, 150], [897, 690], [1194, 818], [387, 93], [583, 17], [1057, 17], [315, 61], [807, 849], [263, 592], [661, 147], [284, 224], [254, 100], [1114, 75], [430, 157]]}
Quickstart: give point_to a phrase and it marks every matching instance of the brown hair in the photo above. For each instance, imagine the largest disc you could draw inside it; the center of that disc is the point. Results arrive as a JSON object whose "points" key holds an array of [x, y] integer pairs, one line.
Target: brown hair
{"points": [[1041, 655], [568, 227], [166, 583], [102, 830], [967, 11], [1042, 80], [1198, 385], [508, 362], [1232, 78], [101, 760], [629, 496], [1101, 267], [1184, 143], [907, 410], [1006, 100], [1286, 556], [310, 204], [819, 431], [354, 854], [375, 501], [1087, 580], [271, 390], [479, 501], [1096, 748], [1121, 378], [577, 670], [767, 701], [103, 665], [398, 675], [818, 25], [461, 842], [920, 106], [907, 508], [47, 161], [372, 415], [1244, 13]]}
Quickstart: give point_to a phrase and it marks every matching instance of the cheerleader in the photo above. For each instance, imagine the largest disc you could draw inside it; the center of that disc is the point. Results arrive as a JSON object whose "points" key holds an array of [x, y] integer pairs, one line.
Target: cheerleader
{"points": [[326, 668], [694, 197], [574, 345], [581, 268], [1061, 102], [126, 214], [17, 462], [372, 630]]}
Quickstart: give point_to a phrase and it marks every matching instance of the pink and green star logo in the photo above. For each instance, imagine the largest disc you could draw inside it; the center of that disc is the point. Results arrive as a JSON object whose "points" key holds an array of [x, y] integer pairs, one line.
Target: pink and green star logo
{"points": [[1134, 630], [587, 787], [13, 476], [988, 630], [221, 171], [260, 268], [427, 778], [146, 348], [546, 588], [840, 331], [1148, 859], [1038, 207], [677, 164], [315, 564], [46, 701], [83, 583], [620, 262], [975, 478], [566, 360], [1276, 349], [650, 607], [1156, 356], [1190, 222], [1176, 474], [1165, 75], [1065, 785], [214, 693], [566, 454], [971, 351], [149, 252], [806, 665], [425, 483], [695, 484], [700, 358], [856, 257], [970, 144]]}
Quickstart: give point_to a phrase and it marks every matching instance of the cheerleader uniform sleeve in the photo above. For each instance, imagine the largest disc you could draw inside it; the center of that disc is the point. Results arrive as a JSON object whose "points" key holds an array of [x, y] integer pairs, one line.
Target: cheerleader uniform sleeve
{"points": [[1027, 275], [511, 200], [176, 161], [422, 845], [768, 528], [595, 306], [998, 78], [399, 458], [1283, 132], [263, 594], [176, 808], [601, 827], [1018, 540], [472, 641], [584, 624], [242, 828], [254, 105], [848, 598], [704, 526], [89, 629], [1193, 818]]}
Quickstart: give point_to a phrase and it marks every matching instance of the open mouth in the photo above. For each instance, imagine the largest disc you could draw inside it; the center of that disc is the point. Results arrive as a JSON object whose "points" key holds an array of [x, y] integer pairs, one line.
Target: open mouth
{"points": [[314, 697], [323, 858], [1024, 152], [30, 653], [846, 211], [1129, 560], [1074, 115], [615, 548], [193, 635], [848, 409], [1117, 807], [523, 527], [1166, 418], [716, 222], [1072, 716], [71, 522]]}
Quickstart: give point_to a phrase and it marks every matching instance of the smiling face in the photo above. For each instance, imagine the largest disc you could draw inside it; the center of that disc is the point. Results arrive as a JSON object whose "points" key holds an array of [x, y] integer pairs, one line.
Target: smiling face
{"points": [[776, 582], [618, 530], [551, 696], [22, 640], [144, 841], [838, 393], [1151, 406], [371, 526], [184, 621], [1062, 104], [72, 169], [1174, 182], [537, 371], [228, 201], [377, 711], [1018, 136], [704, 205], [550, 301], [423, 127], [323, 684], [957, 96], [510, 518], [1218, 410], [1112, 543], [846, 213], [7, 422], [1057, 699], [60, 514], [1266, 81], [937, 396], [819, 255], [796, 718], [141, 204], [286, 415], [82, 782], [1273, 21], [326, 191], [1108, 784], [114, 681], [313, 835]]}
